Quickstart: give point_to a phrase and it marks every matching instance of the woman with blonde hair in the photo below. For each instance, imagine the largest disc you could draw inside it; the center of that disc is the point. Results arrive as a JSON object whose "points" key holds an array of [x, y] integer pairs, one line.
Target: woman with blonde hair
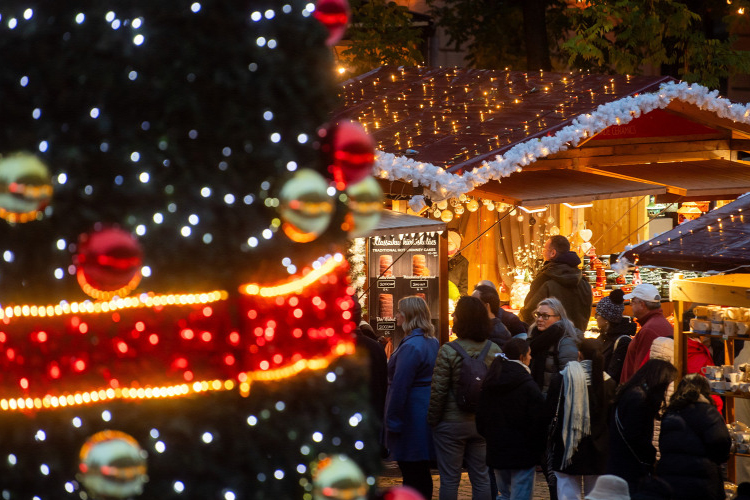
{"points": [[554, 343], [409, 378], [553, 340]]}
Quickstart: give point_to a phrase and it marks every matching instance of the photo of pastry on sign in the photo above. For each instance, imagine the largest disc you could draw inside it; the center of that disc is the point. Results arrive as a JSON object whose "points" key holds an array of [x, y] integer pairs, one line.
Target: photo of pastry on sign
{"points": [[419, 265]]}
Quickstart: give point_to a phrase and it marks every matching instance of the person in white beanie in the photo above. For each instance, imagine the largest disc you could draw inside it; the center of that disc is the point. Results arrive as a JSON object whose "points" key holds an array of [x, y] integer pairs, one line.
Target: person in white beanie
{"points": [[609, 487]]}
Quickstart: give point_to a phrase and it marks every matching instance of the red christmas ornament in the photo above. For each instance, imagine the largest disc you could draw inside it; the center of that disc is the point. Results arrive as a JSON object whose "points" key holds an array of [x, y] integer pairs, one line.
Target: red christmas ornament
{"points": [[108, 263], [334, 15], [402, 493], [352, 154]]}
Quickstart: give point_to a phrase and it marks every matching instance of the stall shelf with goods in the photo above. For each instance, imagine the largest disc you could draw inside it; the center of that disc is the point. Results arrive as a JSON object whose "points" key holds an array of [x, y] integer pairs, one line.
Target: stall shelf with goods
{"points": [[722, 307]]}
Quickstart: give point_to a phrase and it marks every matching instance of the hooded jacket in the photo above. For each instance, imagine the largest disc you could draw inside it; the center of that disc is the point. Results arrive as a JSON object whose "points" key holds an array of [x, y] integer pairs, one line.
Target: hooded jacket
{"points": [[694, 442], [511, 416], [561, 278]]}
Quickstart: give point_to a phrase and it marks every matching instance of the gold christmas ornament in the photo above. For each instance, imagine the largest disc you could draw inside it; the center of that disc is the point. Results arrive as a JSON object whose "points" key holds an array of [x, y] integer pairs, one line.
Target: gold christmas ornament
{"points": [[25, 187], [365, 203], [446, 216], [442, 205], [472, 205], [554, 231], [338, 477], [112, 466], [305, 206]]}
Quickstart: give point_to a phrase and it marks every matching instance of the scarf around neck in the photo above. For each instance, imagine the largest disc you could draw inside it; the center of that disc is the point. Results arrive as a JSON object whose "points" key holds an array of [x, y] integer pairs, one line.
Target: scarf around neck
{"points": [[577, 413]]}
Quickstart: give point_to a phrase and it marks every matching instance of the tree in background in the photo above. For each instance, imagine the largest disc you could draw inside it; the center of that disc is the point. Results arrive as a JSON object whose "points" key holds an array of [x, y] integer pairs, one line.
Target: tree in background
{"points": [[689, 40], [175, 316], [381, 33], [489, 31]]}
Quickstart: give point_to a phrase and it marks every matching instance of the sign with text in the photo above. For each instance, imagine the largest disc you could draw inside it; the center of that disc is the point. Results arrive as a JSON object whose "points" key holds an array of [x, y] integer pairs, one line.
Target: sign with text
{"points": [[399, 266]]}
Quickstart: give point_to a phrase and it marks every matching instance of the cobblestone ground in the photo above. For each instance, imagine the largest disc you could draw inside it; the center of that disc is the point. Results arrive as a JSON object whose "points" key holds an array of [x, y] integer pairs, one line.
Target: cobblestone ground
{"points": [[392, 477]]}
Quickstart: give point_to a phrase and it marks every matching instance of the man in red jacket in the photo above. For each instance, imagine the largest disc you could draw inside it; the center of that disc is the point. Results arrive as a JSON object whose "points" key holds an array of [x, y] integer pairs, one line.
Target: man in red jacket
{"points": [[646, 304]]}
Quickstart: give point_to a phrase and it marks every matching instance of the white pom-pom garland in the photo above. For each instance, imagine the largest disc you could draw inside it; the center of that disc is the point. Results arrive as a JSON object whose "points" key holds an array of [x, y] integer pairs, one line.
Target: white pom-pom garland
{"points": [[441, 184]]}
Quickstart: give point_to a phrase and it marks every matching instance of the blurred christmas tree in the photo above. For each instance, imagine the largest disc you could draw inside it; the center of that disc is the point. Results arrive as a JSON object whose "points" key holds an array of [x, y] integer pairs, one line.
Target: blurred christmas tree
{"points": [[171, 279]]}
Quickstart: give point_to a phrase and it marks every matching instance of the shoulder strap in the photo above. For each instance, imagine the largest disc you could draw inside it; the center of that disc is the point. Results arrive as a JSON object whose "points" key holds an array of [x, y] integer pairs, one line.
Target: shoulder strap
{"points": [[617, 342], [485, 350], [457, 347], [618, 424]]}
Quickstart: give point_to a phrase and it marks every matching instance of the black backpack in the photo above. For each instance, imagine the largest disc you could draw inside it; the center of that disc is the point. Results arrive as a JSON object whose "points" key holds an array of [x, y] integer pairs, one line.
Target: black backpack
{"points": [[473, 371]]}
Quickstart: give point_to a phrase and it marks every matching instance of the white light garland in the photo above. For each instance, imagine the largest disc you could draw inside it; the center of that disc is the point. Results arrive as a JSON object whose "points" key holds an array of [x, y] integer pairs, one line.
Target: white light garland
{"points": [[356, 257], [443, 184]]}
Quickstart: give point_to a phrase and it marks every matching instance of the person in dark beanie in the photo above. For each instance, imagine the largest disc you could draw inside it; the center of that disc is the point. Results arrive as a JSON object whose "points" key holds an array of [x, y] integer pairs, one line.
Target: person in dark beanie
{"points": [[511, 419], [560, 277], [615, 332]]}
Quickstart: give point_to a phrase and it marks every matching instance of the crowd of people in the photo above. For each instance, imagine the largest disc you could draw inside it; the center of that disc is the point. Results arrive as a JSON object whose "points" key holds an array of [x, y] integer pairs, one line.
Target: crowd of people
{"points": [[600, 418]]}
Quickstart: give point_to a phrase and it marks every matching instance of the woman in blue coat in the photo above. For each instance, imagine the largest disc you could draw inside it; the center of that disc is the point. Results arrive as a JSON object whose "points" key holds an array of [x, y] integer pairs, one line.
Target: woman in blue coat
{"points": [[409, 378]]}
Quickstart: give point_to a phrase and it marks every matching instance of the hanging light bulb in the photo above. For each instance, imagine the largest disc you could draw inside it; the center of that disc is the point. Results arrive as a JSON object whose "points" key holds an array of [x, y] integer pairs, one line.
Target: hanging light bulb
{"points": [[550, 220], [520, 218], [490, 206]]}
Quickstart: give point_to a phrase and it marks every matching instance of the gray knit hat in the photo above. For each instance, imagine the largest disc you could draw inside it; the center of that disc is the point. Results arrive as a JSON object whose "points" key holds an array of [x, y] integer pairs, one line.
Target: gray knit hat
{"points": [[611, 307]]}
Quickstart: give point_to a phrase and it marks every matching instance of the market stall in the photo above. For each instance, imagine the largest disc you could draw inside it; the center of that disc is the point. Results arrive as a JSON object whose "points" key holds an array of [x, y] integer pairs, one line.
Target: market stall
{"points": [[717, 241], [560, 152], [403, 255]]}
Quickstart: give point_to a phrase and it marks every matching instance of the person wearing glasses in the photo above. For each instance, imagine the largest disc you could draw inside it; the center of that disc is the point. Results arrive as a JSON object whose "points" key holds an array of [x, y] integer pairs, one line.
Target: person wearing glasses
{"points": [[410, 368], [554, 342], [646, 304]]}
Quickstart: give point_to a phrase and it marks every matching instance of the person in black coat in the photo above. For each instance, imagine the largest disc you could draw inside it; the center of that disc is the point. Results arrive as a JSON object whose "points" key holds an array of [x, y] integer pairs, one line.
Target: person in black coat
{"points": [[638, 402], [491, 300], [694, 442], [511, 419], [377, 361], [581, 458], [513, 323], [616, 332]]}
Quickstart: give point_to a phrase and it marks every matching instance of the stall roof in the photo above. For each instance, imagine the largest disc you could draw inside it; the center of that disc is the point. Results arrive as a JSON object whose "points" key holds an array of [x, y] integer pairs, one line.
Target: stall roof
{"points": [[453, 131], [717, 241], [542, 187], [397, 223], [461, 116]]}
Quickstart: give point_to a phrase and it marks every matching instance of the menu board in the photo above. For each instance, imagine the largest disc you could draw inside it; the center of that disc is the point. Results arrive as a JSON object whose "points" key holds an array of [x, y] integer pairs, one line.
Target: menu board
{"points": [[399, 266]]}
